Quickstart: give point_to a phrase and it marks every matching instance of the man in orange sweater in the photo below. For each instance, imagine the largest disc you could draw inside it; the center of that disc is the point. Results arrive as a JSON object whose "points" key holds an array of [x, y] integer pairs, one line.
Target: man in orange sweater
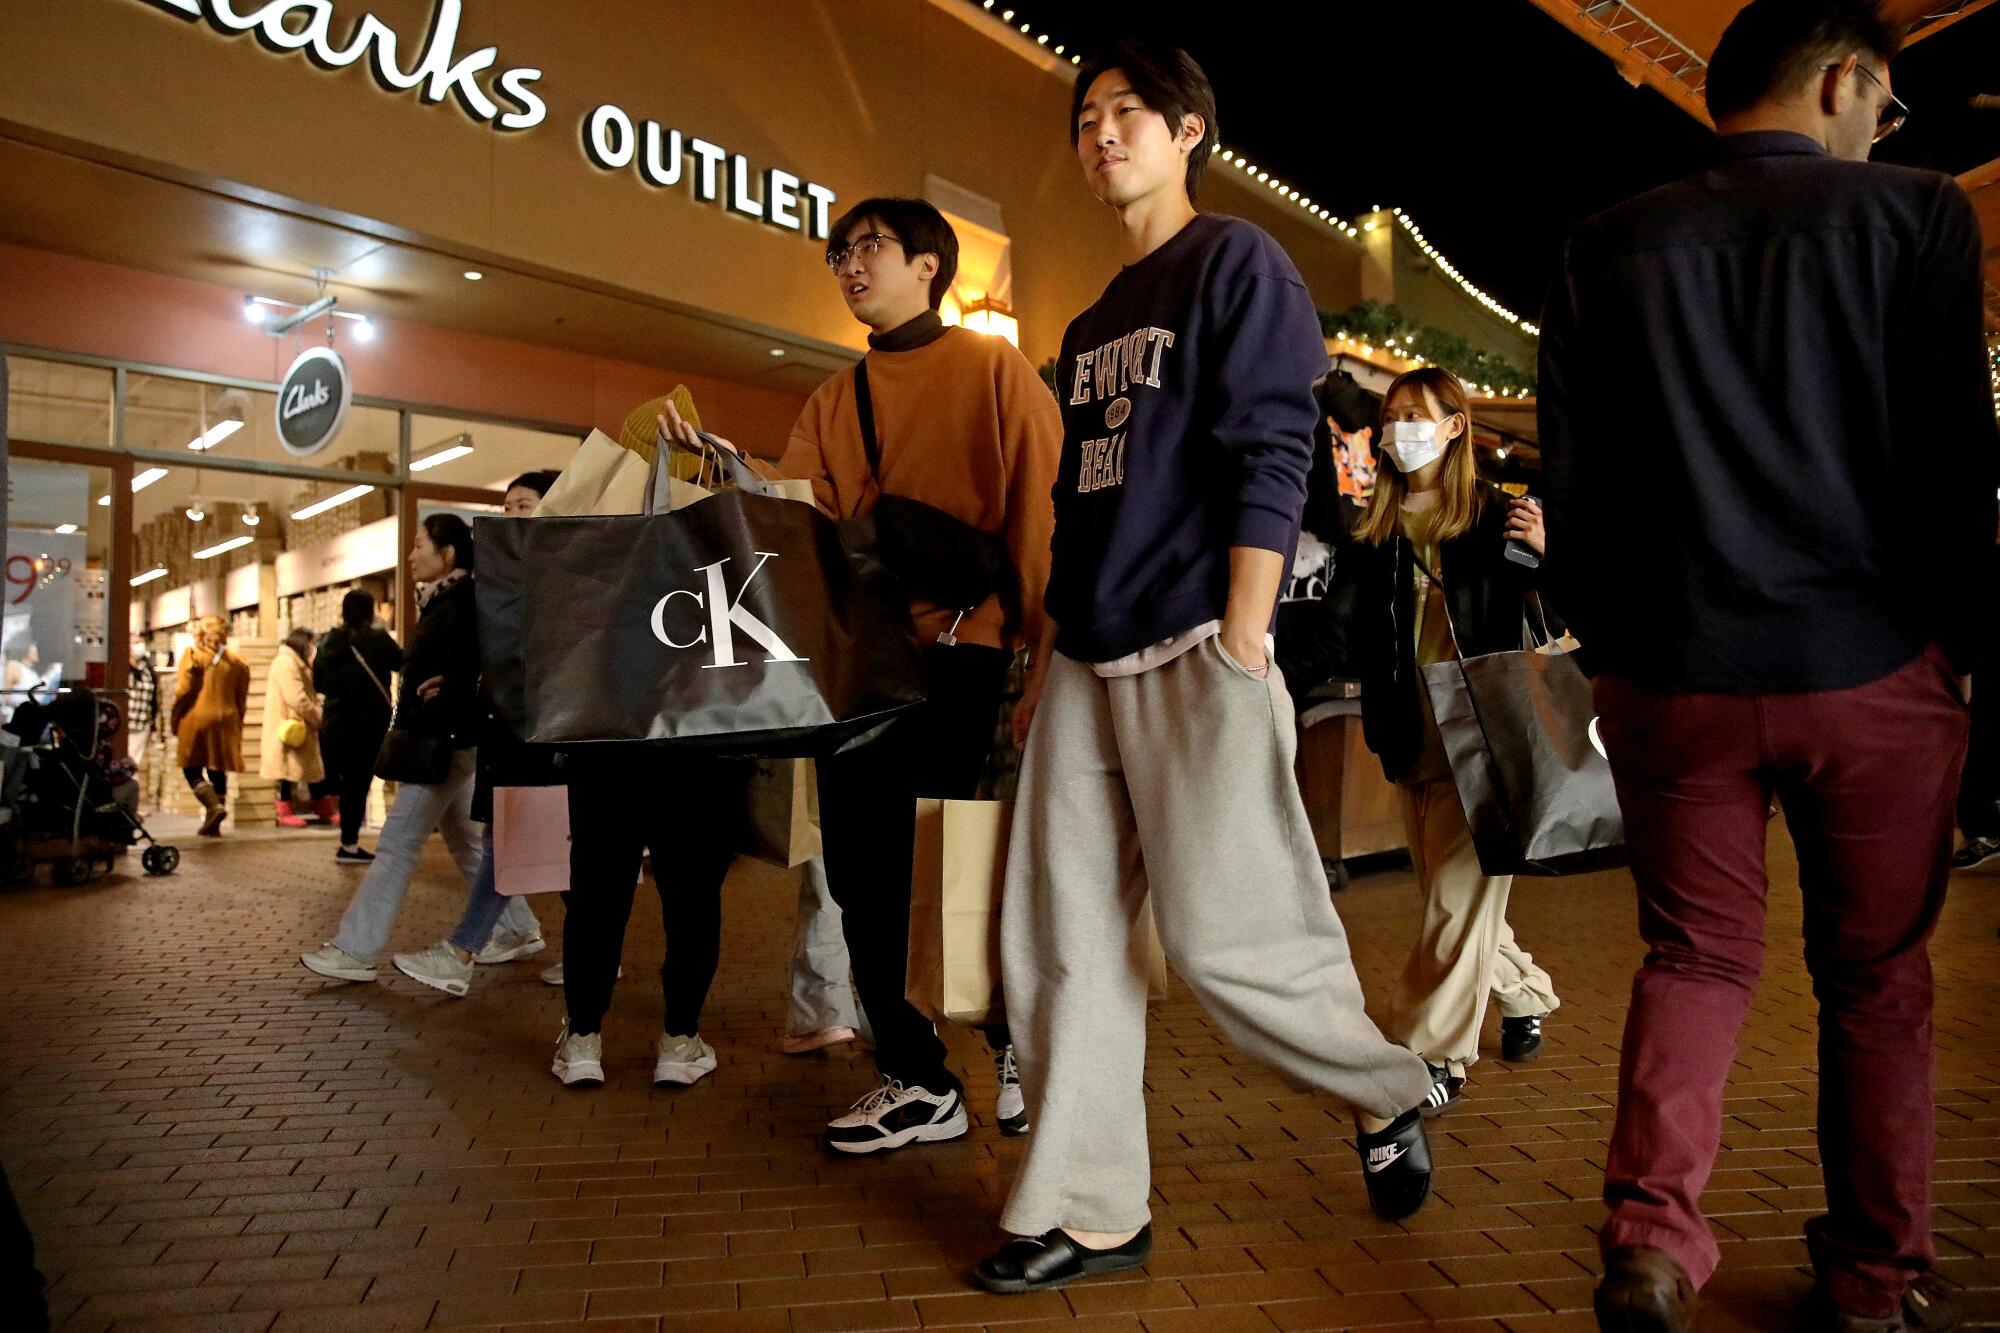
{"points": [[963, 423]]}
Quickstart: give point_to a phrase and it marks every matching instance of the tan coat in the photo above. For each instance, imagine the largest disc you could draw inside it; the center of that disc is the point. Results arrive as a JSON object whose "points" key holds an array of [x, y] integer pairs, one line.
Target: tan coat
{"points": [[211, 695], [289, 695]]}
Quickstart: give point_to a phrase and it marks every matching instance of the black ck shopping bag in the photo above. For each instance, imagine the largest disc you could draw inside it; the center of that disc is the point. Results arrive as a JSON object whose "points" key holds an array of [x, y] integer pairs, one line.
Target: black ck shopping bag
{"points": [[1536, 790], [739, 624]]}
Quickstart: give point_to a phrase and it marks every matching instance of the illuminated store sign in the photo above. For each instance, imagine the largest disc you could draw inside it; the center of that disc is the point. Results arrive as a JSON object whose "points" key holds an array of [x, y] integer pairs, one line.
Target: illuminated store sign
{"points": [[507, 101]]}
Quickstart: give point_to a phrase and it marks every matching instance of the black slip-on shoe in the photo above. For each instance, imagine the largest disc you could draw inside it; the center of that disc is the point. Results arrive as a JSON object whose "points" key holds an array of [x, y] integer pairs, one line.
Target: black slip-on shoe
{"points": [[1043, 1263], [1521, 1038], [1396, 1166]]}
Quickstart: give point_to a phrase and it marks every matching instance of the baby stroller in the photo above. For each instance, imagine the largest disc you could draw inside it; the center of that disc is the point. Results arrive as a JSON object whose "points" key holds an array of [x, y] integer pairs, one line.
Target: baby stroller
{"points": [[64, 800]]}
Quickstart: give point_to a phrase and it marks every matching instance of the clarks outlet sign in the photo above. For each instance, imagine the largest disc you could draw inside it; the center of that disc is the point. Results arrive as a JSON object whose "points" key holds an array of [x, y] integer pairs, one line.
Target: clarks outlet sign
{"points": [[506, 99]]}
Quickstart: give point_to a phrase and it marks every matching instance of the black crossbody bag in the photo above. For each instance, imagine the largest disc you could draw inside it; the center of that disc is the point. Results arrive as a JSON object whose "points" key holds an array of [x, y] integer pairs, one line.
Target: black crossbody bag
{"points": [[940, 558]]}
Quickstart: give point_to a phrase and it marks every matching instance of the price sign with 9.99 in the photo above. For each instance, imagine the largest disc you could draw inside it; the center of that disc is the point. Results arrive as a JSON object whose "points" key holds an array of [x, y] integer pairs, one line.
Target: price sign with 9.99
{"points": [[27, 573]]}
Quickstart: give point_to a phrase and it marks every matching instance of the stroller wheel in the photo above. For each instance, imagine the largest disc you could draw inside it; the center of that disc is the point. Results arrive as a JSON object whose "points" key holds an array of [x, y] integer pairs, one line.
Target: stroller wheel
{"points": [[71, 870], [20, 869], [160, 859]]}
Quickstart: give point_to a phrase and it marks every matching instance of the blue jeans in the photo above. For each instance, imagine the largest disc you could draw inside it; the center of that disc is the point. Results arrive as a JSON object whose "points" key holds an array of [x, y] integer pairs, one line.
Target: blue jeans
{"points": [[484, 904], [420, 810]]}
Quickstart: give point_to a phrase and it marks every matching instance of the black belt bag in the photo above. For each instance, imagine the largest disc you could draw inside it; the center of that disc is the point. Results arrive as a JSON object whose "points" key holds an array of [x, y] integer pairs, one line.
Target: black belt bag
{"points": [[938, 557]]}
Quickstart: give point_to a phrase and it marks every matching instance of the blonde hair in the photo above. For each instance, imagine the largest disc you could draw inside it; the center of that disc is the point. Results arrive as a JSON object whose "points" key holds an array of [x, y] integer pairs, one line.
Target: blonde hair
{"points": [[1459, 497]]}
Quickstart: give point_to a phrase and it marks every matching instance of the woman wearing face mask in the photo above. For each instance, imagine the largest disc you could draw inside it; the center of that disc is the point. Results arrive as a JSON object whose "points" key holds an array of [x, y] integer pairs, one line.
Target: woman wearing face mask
{"points": [[1427, 578]]}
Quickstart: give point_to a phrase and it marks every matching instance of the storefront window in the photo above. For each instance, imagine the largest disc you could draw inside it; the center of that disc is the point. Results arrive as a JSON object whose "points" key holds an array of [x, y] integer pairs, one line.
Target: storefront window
{"points": [[53, 402], [446, 451], [220, 426], [53, 627]]}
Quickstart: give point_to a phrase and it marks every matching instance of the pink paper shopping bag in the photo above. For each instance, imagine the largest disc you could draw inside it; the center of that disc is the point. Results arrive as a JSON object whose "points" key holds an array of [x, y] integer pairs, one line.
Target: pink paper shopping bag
{"points": [[531, 839]]}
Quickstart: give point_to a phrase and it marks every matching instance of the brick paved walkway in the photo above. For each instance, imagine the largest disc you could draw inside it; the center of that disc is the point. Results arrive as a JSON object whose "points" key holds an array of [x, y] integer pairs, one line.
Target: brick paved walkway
{"points": [[205, 1136]]}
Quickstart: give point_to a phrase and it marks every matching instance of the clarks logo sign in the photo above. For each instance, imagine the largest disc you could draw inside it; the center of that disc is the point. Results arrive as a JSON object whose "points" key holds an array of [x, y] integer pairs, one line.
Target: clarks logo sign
{"points": [[724, 617], [506, 100]]}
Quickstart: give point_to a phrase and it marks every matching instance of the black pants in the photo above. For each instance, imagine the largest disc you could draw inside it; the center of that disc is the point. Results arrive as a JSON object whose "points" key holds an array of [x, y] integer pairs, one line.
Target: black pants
{"points": [[288, 791], [21, 1283], [350, 772], [214, 777], [1979, 788], [687, 809], [868, 824]]}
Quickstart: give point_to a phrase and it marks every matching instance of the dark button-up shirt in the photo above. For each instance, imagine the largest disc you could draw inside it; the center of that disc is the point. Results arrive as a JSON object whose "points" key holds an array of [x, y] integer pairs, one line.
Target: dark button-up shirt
{"points": [[1770, 449]]}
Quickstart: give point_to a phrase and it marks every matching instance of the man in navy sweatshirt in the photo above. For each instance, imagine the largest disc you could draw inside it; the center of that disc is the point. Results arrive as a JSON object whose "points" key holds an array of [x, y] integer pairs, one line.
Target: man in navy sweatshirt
{"points": [[1159, 736]]}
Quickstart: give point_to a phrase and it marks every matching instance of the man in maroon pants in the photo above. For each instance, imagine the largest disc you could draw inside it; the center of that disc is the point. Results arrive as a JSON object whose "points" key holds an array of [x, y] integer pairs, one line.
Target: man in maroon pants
{"points": [[1771, 463]]}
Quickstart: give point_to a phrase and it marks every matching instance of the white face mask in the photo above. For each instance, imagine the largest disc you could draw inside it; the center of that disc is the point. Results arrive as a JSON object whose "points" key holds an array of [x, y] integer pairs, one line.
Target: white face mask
{"points": [[1412, 445]]}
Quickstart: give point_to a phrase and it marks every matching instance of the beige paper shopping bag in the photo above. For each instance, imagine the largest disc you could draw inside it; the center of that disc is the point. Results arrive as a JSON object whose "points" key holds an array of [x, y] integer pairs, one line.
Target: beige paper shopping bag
{"points": [[957, 873], [781, 823]]}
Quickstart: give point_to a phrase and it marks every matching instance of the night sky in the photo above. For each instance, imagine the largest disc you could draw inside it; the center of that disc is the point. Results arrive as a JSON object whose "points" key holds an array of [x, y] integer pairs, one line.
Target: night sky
{"points": [[1494, 126]]}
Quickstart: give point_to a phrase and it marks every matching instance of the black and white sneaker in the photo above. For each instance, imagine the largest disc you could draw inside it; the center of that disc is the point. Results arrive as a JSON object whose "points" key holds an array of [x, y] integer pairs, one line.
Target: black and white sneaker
{"points": [[354, 856], [1975, 852], [895, 1115], [1010, 1108], [1521, 1038], [1445, 1089], [1396, 1166]]}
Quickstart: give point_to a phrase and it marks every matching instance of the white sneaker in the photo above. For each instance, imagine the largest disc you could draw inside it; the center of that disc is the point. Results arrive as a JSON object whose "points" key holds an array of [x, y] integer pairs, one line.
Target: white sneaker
{"points": [[1010, 1108], [894, 1115], [506, 950], [438, 966], [337, 964], [683, 1060], [579, 1060]]}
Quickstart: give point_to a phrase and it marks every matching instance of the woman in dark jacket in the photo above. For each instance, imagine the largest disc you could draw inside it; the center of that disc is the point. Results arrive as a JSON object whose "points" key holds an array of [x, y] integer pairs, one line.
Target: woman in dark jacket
{"points": [[1425, 579], [352, 670], [443, 704]]}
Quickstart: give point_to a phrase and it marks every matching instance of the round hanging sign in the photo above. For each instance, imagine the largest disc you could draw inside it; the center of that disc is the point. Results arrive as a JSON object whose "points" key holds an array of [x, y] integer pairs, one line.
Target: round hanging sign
{"points": [[312, 401]]}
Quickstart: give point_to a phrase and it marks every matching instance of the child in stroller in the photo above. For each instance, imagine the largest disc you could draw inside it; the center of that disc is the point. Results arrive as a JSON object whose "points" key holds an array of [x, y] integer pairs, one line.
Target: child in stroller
{"points": [[65, 799]]}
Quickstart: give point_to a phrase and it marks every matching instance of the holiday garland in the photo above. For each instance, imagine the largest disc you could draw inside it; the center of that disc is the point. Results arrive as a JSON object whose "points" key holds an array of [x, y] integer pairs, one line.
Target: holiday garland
{"points": [[1385, 326]]}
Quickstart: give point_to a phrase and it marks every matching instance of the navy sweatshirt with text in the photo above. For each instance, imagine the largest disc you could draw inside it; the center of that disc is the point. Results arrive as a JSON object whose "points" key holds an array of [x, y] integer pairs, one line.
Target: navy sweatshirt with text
{"points": [[1188, 418]]}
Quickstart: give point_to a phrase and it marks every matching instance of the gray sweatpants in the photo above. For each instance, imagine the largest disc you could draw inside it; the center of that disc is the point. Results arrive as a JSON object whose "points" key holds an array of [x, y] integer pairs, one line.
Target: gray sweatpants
{"points": [[1179, 782]]}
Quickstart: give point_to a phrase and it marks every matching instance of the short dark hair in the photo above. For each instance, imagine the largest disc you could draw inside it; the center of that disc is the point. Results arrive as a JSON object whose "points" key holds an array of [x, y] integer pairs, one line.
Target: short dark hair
{"points": [[1168, 81], [300, 641], [357, 609], [451, 530], [540, 481], [1774, 47], [918, 225]]}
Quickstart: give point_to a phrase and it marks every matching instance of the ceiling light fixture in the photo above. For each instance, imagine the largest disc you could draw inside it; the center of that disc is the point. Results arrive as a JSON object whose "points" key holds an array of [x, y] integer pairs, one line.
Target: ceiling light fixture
{"points": [[319, 507], [220, 547], [158, 572], [251, 518], [473, 275], [214, 435], [195, 513], [143, 480], [65, 528], [777, 351], [440, 458]]}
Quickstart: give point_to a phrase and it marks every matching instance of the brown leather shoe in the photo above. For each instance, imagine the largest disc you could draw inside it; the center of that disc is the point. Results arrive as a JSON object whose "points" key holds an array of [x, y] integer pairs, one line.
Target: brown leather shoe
{"points": [[1644, 1291], [1925, 1308]]}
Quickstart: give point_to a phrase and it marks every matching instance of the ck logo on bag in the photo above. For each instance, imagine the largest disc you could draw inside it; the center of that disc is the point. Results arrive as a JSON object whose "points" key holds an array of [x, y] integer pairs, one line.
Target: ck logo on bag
{"points": [[724, 617]]}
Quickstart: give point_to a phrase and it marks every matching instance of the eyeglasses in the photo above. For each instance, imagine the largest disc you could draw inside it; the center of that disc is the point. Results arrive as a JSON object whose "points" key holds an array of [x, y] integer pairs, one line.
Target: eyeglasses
{"points": [[865, 246], [1892, 115]]}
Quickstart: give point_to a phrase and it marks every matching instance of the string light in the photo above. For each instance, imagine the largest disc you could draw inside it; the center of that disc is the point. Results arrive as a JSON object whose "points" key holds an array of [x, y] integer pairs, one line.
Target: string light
{"points": [[1333, 222], [1432, 253]]}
